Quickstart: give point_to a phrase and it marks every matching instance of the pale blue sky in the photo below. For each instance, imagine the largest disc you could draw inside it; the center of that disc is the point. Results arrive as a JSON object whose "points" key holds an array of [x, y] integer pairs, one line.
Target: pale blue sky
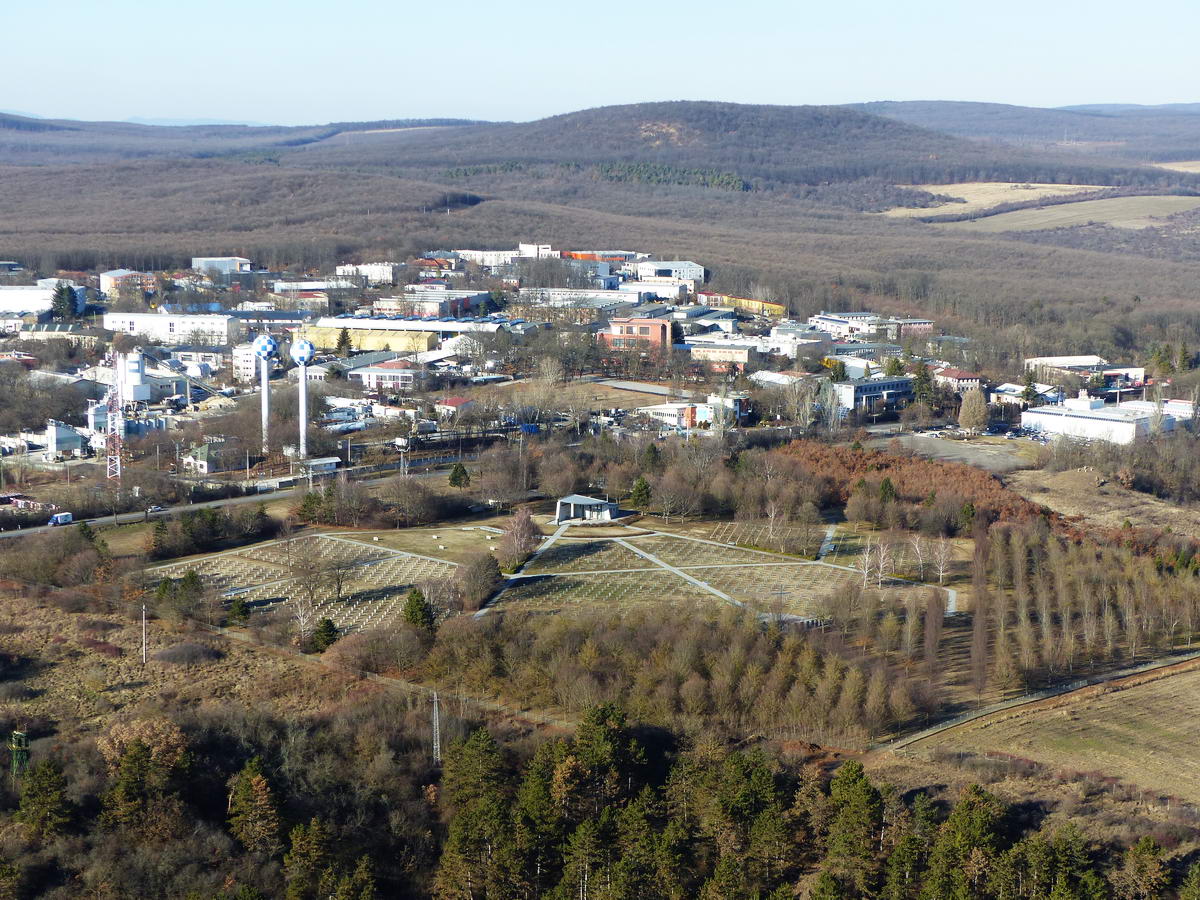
{"points": [[337, 60]]}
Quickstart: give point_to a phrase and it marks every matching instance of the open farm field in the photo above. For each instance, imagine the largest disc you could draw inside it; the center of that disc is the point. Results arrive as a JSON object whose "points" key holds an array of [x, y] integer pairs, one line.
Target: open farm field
{"points": [[1102, 502], [1190, 165], [980, 195], [1143, 734], [1119, 212]]}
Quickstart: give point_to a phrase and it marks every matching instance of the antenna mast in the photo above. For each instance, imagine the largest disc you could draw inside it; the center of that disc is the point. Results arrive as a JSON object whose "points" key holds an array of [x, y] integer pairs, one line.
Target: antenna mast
{"points": [[114, 437], [437, 730]]}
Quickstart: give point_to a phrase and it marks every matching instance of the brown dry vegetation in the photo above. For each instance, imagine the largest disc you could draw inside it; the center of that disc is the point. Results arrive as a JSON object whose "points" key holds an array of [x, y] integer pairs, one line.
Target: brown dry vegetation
{"points": [[1140, 730], [1100, 501]]}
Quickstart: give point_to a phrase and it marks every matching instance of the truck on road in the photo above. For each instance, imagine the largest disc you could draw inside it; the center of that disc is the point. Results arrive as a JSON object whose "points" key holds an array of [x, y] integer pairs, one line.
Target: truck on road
{"points": [[61, 518]]}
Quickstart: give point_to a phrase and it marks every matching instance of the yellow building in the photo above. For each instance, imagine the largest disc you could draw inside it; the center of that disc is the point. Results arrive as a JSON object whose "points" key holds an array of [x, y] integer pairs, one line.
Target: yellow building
{"points": [[326, 338]]}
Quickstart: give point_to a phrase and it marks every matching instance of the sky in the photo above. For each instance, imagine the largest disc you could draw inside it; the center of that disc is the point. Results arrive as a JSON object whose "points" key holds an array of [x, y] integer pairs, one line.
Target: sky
{"points": [[308, 62]]}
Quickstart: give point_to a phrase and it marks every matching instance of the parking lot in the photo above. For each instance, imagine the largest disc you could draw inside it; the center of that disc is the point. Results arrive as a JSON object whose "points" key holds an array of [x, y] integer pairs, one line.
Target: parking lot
{"points": [[993, 453]]}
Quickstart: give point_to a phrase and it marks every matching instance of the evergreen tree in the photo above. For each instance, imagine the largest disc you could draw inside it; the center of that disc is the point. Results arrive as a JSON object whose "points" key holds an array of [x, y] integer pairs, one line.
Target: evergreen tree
{"points": [[459, 476], [854, 830], [1030, 393], [343, 348], [923, 384], [311, 507], [307, 862], [253, 818], [894, 367], [44, 809], [1142, 874], [325, 635], [969, 834], [239, 611], [639, 496], [10, 881], [837, 371], [652, 459], [537, 828], [357, 885], [583, 859], [887, 491], [1184, 361], [828, 888], [62, 304], [417, 612], [1190, 889], [140, 800], [159, 540]]}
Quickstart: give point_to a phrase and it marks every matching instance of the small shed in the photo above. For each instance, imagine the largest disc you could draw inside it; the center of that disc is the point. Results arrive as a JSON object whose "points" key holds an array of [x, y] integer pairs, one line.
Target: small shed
{"points": [[576, 507]]}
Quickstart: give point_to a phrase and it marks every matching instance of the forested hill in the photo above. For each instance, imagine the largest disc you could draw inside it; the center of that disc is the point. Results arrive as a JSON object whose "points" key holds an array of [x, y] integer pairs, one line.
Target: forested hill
{"points": [[753, 144], [30, 141], [1143, 133]]}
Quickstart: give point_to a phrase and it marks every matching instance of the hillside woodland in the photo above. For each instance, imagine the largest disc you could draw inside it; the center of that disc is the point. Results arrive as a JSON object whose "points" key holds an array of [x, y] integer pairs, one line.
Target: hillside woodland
{"points": [[771, 199]]}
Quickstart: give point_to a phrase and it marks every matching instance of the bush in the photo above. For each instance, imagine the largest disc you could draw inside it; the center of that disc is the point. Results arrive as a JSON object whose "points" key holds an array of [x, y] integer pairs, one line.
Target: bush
{"points": [[379, 650], [14, 692], [188, 654], [104, 648]]}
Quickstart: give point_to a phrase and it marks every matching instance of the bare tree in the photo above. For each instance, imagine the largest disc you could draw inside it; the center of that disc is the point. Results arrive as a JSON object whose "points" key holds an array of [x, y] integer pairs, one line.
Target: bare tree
{"points": [[943, 551], [919, 547]]}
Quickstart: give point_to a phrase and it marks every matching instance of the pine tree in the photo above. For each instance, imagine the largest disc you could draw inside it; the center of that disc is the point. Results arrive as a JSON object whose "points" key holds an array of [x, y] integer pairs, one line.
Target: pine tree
{"points": [[459, 476], [1184, 361], [343, 348], [10, 881], [325, 635], [1142, 875], [239, 611], [639, 496], [160, 536], [837, 371], [1030, 392], [887, 491], [857, 818], [311, 507], [140, 800], [307, 861], [417, 612], [1190, 889], [923, 384], [44, 808], [652, 459], [894, 367], [358, 885], [253, 818], [62, 305]]}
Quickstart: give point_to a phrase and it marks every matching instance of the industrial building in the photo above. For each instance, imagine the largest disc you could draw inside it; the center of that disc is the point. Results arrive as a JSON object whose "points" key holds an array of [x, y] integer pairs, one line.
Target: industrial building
{"points": [[221, 265], [1087, 418], [35, 299], [681, 269], [172, 328], [370, 273], [888, 392], [408, 334]]}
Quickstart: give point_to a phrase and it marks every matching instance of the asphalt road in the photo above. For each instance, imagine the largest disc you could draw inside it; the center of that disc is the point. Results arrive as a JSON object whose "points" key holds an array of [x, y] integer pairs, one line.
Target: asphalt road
{"points": [[132, 517]]}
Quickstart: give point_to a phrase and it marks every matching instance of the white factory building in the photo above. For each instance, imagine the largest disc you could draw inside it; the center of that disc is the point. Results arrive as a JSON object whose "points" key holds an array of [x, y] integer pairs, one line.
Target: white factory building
{"points": [[681, 269], [174, 328], [1088, 419], [222, 265], [371, 273], [35, 299]]}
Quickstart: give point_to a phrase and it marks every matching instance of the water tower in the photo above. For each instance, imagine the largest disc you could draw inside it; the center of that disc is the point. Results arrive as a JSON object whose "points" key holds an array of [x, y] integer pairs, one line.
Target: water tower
{"points": [[265, 348], [302, 354]]}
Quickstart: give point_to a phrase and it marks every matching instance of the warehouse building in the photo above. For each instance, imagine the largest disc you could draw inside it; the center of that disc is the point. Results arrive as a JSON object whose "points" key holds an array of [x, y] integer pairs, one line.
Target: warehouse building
{"points": [[1086, 418]]}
